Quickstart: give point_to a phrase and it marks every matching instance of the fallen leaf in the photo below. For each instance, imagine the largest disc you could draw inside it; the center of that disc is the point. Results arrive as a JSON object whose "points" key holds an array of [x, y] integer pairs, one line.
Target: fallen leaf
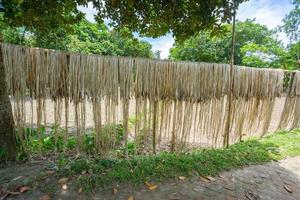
{"points": [[130, 198], [221, 176], [148, 184], [210, 178], [182, 177], [83, 172], [17, 187], [251, 196], [64, 187], [79, 190], [50, 172], [152, 187], [13, 193], [204, 179], [114, 191], [17, 178], [45, 197], [62, 181], [288, 189], [24, 189]]}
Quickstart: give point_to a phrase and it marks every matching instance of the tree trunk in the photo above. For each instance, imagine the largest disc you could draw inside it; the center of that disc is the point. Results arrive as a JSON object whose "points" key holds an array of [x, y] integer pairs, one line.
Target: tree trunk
{"points": [[8, 148]]}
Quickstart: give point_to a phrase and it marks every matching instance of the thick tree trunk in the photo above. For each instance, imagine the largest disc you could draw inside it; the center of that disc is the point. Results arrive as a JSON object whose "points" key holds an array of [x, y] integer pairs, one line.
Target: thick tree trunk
{"points": [[8, 149]]}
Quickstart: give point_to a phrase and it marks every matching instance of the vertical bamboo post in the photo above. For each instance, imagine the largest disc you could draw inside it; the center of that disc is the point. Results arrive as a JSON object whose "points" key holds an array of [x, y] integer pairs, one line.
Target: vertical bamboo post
{"points": [[173, 137], [229, 95], [154, 127], [298, 56], [66, 133], [125, 125]]}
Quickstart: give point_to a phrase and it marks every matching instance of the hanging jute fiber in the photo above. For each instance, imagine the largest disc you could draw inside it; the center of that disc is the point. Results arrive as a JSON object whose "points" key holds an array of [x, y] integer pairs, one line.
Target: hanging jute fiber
{"points": [[161, 104]]}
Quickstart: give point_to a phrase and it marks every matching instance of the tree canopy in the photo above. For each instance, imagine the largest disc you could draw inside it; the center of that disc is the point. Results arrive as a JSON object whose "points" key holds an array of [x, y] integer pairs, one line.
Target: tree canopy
{"points": [[149, 18], [256, 46], [154, 18], [86, 37], [42, 15]]}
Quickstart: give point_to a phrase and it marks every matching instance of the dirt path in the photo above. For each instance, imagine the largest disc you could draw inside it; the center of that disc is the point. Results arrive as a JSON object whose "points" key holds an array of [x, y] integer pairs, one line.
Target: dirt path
{"points": [[276, 180]]}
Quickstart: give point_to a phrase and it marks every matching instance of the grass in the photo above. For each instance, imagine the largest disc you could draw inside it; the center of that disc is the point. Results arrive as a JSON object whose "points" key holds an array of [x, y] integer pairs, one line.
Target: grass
{"points": [[203, 162], [52, 141]]}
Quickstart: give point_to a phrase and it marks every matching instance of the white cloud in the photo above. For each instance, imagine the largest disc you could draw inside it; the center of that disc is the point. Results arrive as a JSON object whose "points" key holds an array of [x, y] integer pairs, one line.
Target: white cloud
{"points": [[89, 11], [162, 44], [266, 12]]}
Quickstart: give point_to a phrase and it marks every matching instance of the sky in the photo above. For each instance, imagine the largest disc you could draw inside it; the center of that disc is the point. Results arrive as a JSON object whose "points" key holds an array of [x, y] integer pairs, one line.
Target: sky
{"points": [[266, 12]]}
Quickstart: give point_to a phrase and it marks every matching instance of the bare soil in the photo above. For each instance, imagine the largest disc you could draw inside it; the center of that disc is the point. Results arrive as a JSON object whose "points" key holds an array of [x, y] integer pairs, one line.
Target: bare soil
{"points": [[275, 180]]}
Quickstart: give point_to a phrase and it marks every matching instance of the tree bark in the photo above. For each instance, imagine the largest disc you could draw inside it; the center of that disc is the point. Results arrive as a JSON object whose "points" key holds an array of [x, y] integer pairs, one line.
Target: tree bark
{"points": [[8, 147]]}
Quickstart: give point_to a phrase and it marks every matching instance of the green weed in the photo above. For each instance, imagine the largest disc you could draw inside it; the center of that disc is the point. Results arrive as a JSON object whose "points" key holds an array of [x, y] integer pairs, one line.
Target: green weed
{"points": [[137, 169]]}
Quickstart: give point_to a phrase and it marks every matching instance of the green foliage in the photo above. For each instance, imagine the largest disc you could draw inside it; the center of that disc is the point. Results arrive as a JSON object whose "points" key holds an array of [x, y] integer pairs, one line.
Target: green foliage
{"points": [[256, 46], [71, 143], [201, 47], [42, 15], [3, 153], [255, 55], [138, 169], [14, 35], [291, 22], [64, 28], [152, 18], [89, 142], [86, 37], [292, 58], [155, 18], [52, 140]]}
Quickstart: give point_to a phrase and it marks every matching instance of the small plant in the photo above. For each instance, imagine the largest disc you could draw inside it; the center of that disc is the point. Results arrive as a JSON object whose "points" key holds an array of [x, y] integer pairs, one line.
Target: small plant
{"points": [[71, 143], [132, 121], [89, 142], [62, 160], [3, 153]]}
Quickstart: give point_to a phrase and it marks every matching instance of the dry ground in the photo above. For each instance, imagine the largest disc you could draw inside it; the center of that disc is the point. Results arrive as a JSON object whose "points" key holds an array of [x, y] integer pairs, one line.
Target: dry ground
{"points": [[274, 181]]}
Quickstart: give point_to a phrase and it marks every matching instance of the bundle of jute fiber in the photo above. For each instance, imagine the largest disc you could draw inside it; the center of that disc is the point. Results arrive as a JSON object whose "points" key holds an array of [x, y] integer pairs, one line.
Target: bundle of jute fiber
{"points": [[290, 117], [175, 103], [254, 82], [184, 81], [16, 84], [48, 71]]}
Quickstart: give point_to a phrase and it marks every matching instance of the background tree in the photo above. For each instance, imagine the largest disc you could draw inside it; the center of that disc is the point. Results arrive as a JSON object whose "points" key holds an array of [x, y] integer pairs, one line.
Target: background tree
{"points": [[202, 47], [291, 22], [85, 37], [256, 46], [292, 57], [94, 38], [291, 27], [255, 55], [157, 54]]}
